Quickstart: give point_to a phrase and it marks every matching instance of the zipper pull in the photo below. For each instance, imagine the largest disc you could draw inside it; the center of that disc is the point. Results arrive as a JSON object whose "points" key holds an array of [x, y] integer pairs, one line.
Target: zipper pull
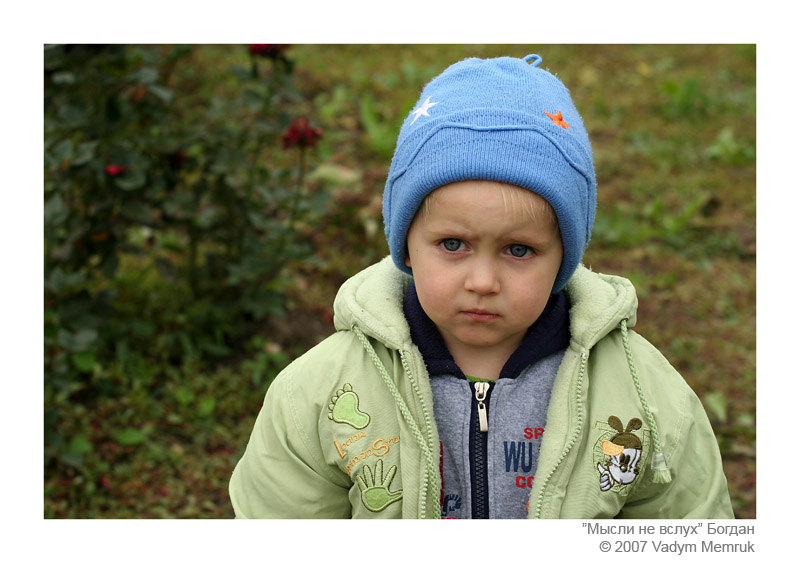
{"points": [[481, 387]]}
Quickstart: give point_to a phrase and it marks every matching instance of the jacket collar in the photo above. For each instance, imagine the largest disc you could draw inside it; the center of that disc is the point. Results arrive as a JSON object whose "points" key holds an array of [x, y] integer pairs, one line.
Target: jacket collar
{"points": [[374, 300]]}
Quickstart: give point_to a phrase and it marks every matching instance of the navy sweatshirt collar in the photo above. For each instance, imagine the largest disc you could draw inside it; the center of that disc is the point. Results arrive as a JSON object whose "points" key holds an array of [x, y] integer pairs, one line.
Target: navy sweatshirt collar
{"points": [[549, 334]]}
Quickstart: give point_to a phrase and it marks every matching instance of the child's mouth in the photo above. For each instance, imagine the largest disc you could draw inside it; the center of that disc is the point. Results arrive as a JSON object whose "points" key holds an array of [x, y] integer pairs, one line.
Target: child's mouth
{"points": [[480, 315]]}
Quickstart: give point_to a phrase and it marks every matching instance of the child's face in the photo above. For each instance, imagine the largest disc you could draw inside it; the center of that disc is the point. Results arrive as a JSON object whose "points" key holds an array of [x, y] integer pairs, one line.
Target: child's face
{"points": [[483, 271]]}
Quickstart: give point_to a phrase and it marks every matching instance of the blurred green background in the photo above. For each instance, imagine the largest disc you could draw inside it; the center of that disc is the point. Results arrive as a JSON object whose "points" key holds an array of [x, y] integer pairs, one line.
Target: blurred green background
{"points": [[202, 205]]}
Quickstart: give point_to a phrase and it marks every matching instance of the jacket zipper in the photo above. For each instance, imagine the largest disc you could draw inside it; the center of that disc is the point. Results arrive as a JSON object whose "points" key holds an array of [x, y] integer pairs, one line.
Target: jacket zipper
{"points": [[480, 462], [573, 436]]}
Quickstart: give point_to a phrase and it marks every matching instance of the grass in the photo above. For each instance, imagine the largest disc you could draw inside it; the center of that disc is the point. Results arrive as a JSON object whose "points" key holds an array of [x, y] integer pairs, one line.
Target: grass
{"points": [[673, 132]]}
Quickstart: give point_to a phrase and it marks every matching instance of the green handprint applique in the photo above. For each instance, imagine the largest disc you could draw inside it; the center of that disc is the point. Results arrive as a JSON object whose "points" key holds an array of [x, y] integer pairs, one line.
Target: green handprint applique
{"points": [[376, 497], [344, 408]]}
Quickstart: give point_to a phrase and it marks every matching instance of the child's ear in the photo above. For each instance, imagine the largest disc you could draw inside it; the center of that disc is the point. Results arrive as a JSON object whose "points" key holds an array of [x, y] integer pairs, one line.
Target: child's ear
{"points": [[408, 259]]}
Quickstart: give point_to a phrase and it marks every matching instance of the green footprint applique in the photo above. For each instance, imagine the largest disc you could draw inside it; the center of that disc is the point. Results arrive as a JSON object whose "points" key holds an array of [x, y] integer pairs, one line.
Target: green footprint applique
{"points": [[344, 408], [375, 489]]}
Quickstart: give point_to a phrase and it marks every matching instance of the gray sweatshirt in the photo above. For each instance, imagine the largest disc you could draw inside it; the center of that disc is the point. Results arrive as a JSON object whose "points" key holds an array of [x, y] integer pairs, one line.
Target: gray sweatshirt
{"points": [[490, 432]]}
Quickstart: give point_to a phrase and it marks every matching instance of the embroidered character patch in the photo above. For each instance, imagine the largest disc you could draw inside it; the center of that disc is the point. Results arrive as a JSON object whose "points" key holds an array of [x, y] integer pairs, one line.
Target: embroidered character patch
{"points": [[621, 453], [375, 488], [344, 408]]}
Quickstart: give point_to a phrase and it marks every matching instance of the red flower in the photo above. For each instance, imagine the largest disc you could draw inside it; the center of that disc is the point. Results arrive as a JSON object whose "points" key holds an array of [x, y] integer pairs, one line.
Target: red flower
{"points": [[301, 133], [268, 51], [115, 169]]}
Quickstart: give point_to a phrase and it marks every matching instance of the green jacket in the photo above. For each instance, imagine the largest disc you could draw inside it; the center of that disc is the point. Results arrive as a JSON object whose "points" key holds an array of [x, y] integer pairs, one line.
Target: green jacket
{"points": [[347, 430]]}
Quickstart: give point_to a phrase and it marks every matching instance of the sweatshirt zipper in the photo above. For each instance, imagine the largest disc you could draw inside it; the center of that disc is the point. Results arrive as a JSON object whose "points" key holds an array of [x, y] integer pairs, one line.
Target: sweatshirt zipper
{"points": [[479, 447]]}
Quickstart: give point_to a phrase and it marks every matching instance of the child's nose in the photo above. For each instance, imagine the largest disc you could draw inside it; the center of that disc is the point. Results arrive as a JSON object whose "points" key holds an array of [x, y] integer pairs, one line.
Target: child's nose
{"points": [[482, 277]]}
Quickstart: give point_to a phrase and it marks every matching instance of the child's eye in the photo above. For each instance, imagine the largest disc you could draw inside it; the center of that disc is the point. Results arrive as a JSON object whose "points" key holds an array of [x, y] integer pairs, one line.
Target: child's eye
{"points": [[451, 244], [519, 250]]}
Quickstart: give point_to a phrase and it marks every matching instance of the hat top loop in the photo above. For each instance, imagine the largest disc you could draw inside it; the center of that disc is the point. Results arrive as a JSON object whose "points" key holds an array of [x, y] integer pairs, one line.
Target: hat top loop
{"points": [[537, 60]]}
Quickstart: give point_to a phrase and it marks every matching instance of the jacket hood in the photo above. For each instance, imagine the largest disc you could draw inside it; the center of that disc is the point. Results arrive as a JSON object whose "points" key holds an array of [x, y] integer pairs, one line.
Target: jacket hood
{"points": [[373, 300], [598, 303]]}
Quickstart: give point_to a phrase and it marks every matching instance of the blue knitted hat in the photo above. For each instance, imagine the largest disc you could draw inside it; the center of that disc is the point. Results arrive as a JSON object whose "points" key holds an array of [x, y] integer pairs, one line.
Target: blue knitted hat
{"points": [[498, 119]]}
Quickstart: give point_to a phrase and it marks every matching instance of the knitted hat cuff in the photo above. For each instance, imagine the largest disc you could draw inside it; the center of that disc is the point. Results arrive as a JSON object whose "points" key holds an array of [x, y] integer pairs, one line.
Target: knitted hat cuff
{"points": [[520, 155]]}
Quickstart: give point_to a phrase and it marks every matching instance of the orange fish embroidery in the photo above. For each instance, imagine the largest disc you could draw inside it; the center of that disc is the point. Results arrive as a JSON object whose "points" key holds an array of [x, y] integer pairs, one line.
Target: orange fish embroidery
{"points": [[558, 120]]}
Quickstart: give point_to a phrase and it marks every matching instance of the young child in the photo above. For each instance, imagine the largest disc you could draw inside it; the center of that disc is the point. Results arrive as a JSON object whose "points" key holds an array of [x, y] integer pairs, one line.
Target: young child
{"points": [[481, 371]]}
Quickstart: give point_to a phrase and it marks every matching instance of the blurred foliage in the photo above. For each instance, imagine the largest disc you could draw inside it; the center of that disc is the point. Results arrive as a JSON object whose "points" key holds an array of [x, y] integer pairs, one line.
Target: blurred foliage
{"points": [[167, 223], [179, 285]]}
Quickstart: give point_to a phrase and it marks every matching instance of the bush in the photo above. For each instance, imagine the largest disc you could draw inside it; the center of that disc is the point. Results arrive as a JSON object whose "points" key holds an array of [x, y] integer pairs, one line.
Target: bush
{"points": [[174, 201]]}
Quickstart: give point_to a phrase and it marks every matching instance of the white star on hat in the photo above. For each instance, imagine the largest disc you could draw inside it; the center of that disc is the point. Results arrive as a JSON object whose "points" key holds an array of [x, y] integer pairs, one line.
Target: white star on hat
{"points": [[423, 109]]}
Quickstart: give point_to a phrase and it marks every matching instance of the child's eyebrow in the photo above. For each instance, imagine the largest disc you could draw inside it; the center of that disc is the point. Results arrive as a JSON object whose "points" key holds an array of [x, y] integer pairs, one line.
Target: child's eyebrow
{"points": [[449, 234]]}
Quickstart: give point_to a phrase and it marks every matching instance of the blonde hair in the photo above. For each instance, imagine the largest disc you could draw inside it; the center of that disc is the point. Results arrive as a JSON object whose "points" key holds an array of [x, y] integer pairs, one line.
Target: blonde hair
{"points": [[515, 199]]}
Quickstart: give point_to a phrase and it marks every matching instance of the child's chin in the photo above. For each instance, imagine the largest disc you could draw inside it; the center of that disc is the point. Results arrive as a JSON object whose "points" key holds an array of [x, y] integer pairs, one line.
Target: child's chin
{"points": [[481, 337]]}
